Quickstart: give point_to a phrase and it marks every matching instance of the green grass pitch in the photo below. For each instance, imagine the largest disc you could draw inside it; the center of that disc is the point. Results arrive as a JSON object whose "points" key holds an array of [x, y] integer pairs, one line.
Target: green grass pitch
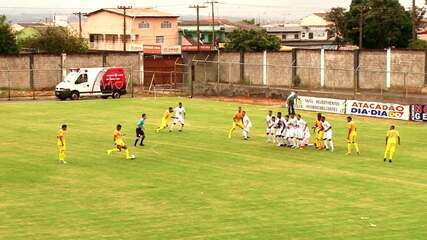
{"points": [[199, 184]]}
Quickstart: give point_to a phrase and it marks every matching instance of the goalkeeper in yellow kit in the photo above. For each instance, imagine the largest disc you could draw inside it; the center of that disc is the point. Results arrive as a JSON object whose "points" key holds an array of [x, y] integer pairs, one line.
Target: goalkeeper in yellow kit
{"points": [[391, 141]]}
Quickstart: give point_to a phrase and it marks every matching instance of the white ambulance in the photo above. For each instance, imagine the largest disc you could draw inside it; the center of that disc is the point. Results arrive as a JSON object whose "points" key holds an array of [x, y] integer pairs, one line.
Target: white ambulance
{"points": [[87, 82]]}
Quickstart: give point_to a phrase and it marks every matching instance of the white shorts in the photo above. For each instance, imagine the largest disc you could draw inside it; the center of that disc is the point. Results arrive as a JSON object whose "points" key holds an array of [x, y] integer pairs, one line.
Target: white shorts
{"points": [[299, 133], [327, 135], [290, 133], [179, 120]]}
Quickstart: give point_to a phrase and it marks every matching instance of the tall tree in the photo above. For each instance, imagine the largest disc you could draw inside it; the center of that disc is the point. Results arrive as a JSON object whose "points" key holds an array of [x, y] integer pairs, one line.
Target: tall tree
{"points": [[256, 40], [338, 29], [7, 38], [385, 23], [57, 40]]}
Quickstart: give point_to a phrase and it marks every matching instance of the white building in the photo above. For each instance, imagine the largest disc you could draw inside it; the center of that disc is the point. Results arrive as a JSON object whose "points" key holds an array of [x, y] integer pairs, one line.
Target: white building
{"points": [[310, 32]]}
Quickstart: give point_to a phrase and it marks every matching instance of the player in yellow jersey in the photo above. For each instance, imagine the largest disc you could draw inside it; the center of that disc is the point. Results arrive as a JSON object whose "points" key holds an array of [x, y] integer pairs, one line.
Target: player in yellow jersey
{"points": [[167, 116], [60, 136], [119, 143], [351, 136], [318, 132], [237, 121], [391, 140]]}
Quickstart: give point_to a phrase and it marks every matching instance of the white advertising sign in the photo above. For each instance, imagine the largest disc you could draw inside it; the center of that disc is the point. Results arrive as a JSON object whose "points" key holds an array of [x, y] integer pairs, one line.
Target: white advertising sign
{"points": [[171, 50], [321, 104], [376, 109]]}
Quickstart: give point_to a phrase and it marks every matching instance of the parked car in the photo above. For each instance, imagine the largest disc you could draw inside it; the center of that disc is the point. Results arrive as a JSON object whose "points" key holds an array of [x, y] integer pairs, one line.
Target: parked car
{"points": [[88, 82]]}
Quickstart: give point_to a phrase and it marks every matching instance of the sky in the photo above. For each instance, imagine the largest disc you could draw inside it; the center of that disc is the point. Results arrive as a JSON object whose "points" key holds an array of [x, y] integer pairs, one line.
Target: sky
{"points": [[265, 10]]}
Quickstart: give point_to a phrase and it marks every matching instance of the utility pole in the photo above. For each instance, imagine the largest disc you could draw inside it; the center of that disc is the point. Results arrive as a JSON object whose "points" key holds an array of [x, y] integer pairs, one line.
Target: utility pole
{"points": [[414, 21], [213, 22], [197, 7], [79, 14], [124, 24], [361, 30]]}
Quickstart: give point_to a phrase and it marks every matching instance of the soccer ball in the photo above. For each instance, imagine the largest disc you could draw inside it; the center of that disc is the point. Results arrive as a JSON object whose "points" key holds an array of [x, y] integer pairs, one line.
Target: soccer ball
{"points": [[132, 156]]}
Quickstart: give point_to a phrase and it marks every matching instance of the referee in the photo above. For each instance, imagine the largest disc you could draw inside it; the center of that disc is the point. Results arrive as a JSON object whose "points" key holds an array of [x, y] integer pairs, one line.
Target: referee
{"points": [[291, 102], [140, 135]]}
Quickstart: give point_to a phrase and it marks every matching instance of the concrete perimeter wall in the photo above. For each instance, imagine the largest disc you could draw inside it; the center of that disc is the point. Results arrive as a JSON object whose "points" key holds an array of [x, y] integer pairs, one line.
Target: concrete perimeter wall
{"points": [[44, 71], [303, 69]]}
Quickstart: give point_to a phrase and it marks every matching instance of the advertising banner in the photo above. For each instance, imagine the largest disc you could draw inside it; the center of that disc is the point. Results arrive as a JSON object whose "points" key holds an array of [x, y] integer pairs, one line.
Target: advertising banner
{"points": [[376, 109], [419, 112], [321, 104]]}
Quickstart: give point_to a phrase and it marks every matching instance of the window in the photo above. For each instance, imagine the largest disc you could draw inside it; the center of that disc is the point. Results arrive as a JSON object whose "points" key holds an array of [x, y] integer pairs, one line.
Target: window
{"points": [[166, 24], [310, 35], [296, 36], [144, 24], [81, 79], [303, 35], [160, 39], [284, 36]]}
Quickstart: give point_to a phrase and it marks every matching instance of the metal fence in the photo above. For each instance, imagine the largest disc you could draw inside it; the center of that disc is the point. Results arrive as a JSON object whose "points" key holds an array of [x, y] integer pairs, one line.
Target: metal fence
{"points": [[328, 79], [26, 84]]}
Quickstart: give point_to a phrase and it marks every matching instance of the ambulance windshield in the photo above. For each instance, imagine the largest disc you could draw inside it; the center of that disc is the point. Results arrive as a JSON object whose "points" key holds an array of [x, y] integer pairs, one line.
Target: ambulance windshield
{"points": [[71, 77]]}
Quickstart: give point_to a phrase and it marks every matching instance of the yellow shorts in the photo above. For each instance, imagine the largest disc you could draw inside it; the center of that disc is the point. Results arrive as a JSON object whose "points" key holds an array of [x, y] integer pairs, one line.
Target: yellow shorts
{"points": [[352, 138], [320, 134], [165, 123], [391, 147], [120, 143], [238, 124]]}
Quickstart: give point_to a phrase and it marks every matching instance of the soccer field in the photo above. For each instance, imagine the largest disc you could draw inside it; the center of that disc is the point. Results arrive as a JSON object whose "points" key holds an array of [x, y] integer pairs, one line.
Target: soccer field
{"points": [[198, 184]]}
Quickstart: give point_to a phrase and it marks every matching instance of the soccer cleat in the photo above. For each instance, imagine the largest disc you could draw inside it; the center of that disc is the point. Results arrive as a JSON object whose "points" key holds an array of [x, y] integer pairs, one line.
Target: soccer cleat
{"points": [[348, 154], [141, 145], [390, 161], [385, 160]]}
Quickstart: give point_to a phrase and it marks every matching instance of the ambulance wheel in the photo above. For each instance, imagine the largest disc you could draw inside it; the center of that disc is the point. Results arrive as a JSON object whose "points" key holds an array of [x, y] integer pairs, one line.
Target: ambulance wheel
{"points": [[75, 95], [116, 95]]}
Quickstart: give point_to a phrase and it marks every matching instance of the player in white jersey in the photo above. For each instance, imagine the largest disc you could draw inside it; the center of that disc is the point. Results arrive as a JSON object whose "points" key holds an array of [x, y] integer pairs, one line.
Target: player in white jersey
{"points": [[285, 132], [279, 128], [302, 132], [292, 131], [179, 117], [327, 137], [269, 125], [247, 125]]}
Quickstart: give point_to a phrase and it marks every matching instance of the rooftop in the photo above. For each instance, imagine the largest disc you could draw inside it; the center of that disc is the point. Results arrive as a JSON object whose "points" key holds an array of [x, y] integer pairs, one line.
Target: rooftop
{"points": [[218, 21], [136, 12]]}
